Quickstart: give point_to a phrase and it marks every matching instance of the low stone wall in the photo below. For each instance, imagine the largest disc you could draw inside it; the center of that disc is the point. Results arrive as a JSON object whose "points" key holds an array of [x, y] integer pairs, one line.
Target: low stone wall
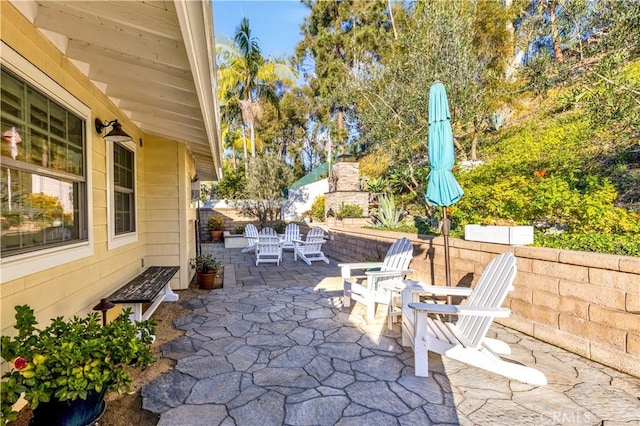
{"points": [[586, 303]]}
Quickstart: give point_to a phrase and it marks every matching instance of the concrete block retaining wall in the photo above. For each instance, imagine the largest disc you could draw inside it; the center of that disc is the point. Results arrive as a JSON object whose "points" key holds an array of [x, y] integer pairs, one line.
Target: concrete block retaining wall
{"points": [[586, 303]]}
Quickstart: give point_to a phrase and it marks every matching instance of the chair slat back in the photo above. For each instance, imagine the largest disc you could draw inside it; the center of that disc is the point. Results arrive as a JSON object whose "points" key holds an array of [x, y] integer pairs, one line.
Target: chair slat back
{"points": [[398, 256], [251, 234], [490, 291], [268, 231], [291, 232], [315, 232], [268, 244], [314, 240]]}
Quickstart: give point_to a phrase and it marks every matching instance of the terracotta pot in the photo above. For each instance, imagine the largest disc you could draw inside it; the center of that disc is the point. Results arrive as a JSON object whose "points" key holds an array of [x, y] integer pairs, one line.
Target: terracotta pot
{"points": [[216, 235], [208, 281]]}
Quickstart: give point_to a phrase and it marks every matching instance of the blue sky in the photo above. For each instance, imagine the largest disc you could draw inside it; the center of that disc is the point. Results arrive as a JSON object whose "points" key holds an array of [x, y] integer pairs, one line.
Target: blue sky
{"points": [[276, 24]]}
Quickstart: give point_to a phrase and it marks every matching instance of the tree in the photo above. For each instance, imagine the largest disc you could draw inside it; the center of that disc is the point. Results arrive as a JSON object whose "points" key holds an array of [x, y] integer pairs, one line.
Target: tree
{"points": [[340, 37], [246, 78], [267, 179], [459, 43]]}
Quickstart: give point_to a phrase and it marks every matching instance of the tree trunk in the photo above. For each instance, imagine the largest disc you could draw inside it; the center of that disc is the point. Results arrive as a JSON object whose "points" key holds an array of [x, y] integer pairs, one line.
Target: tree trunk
{"points": [[340, 127], [555, 35], [244, 140], [474, 145], [393, 22], [460, 149], [234, 160], [253, 140]]}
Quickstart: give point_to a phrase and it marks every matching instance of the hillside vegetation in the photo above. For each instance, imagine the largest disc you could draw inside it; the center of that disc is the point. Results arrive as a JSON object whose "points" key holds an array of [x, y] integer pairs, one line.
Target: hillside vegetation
{"points": [[558, 170]]}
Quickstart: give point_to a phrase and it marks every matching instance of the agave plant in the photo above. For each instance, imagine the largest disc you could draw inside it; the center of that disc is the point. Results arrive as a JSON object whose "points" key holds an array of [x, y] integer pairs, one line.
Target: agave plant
{"points": [[376, 185], [387, 214]]}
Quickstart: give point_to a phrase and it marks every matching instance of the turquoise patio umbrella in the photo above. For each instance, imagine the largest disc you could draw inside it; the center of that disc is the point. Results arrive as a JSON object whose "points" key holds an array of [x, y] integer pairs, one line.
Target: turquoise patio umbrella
{"points": [[442, 187]]}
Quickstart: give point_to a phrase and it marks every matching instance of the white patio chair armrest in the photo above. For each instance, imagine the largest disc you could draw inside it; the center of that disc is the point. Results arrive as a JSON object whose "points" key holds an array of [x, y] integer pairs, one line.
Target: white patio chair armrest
{"points": [[440, 290], [309, 243], [361, 265], [391, 273], [461, 310]]}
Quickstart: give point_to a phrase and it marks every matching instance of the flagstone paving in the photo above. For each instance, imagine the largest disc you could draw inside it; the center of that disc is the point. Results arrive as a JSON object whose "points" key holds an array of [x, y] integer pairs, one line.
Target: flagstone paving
{"points": [[262, 352]]}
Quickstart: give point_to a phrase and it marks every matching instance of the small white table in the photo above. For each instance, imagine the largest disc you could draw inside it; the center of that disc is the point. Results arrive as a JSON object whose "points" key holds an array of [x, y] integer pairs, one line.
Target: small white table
{"points": [[398, 288]]}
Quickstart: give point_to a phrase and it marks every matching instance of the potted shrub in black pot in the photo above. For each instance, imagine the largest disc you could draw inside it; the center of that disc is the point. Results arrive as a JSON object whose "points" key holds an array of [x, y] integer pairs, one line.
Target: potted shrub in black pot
{"points": [[64, 370], [206, 267]]}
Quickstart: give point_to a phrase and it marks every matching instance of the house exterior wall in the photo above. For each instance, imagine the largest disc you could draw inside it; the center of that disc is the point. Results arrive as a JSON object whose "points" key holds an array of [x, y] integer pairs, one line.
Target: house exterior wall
{"points": [[164, 214], [301, 199], [170, 215], [586, 303]]}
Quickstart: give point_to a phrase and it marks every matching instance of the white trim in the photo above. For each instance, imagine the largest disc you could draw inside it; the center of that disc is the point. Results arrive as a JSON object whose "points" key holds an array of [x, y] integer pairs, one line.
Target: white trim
{"points": [[114, 241], [196, 25], [29, 263]]}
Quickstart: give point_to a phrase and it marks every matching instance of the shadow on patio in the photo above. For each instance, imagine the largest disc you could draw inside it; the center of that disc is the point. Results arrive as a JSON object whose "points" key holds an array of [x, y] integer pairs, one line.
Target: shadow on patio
{"points": [[275, 347]]}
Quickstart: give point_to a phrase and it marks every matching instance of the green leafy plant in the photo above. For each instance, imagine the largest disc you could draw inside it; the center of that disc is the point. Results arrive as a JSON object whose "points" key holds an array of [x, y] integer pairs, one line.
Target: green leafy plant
{"points": [[71, 358], [239, 229], [317, 208], [376, 185], [387, 215], [279, 227], [204, 263], [349, 210], [215, 223]]}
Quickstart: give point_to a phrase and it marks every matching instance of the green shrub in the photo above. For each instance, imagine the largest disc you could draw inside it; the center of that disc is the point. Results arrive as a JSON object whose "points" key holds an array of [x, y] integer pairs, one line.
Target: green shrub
{"points": [[621, 244], [317, 208], [349, 210], [239, 229], [279, 227], [376, 185]]}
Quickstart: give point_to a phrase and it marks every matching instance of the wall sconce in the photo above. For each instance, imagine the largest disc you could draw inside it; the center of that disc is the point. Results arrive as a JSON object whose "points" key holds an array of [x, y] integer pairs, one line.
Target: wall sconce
{"points": [[116, 134]]}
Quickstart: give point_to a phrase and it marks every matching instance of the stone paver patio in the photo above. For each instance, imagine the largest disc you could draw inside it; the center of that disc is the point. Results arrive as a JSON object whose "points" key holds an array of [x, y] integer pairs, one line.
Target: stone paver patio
{"points": [[275, 347]]}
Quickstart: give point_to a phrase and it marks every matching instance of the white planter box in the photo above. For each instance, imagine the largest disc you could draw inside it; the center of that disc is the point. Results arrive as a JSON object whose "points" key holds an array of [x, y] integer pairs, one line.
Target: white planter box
{"points": [[512, 235], [234, 241]]}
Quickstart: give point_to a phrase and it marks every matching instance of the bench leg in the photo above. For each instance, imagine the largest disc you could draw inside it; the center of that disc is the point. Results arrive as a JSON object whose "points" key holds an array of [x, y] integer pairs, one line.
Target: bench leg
{"points": [[136, 311], [169, 295]]}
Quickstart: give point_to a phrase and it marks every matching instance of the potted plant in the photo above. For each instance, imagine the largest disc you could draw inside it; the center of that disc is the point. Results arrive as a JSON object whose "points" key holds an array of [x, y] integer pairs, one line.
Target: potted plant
{"points": [[216, 227], [64, 370], [206, 267]]}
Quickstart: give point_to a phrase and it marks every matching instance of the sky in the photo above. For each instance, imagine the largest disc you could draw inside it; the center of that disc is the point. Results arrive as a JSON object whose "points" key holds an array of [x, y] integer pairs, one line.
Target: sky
{"points": [[276, 24]]}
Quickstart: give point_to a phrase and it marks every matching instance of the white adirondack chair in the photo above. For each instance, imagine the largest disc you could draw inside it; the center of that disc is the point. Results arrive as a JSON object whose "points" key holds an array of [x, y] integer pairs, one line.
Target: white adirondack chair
{"points": [[268, 231], [251, 235], [369, 292], [268, 249], [291, 233], [465, 340], [310, 250]]}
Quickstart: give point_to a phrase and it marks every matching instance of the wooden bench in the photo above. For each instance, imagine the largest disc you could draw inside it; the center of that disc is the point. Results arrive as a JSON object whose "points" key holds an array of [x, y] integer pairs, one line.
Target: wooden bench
{"points": [[150, 287]]}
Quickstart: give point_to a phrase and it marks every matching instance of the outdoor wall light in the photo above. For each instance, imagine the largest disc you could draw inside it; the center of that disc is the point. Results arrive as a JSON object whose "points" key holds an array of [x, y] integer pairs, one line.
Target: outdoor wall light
{"points": [[116, 134], [103, 306]]}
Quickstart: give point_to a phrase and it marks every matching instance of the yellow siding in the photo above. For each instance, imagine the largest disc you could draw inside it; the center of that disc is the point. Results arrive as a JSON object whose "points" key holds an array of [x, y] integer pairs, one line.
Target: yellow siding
{"points": [[164, 168]]}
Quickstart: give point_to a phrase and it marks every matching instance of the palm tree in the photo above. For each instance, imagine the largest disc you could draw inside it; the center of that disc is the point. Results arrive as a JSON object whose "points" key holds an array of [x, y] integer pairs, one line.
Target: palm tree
{"points": [[246, 78]]}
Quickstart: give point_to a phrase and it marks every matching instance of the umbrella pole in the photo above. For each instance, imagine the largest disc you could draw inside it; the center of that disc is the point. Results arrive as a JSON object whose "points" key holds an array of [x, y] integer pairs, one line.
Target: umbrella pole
{"points": [[446, 227]]}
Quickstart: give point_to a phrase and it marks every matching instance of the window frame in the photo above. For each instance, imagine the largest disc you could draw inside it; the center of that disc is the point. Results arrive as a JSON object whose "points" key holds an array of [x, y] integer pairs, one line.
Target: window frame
{"points": [[118, 240], [31, 262]]}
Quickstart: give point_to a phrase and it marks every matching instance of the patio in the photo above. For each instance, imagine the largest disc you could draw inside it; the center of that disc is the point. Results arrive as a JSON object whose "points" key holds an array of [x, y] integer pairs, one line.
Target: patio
{"points": [[275, 347]]}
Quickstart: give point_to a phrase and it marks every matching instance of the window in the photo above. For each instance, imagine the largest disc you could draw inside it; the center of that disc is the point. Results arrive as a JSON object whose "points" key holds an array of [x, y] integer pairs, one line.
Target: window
{"points": [[43, 186], [124, 197], [122, 194]]}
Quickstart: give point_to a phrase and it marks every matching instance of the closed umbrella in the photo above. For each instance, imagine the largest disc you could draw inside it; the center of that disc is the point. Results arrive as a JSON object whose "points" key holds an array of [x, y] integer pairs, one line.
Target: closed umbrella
{"points": [[442, 187]]}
